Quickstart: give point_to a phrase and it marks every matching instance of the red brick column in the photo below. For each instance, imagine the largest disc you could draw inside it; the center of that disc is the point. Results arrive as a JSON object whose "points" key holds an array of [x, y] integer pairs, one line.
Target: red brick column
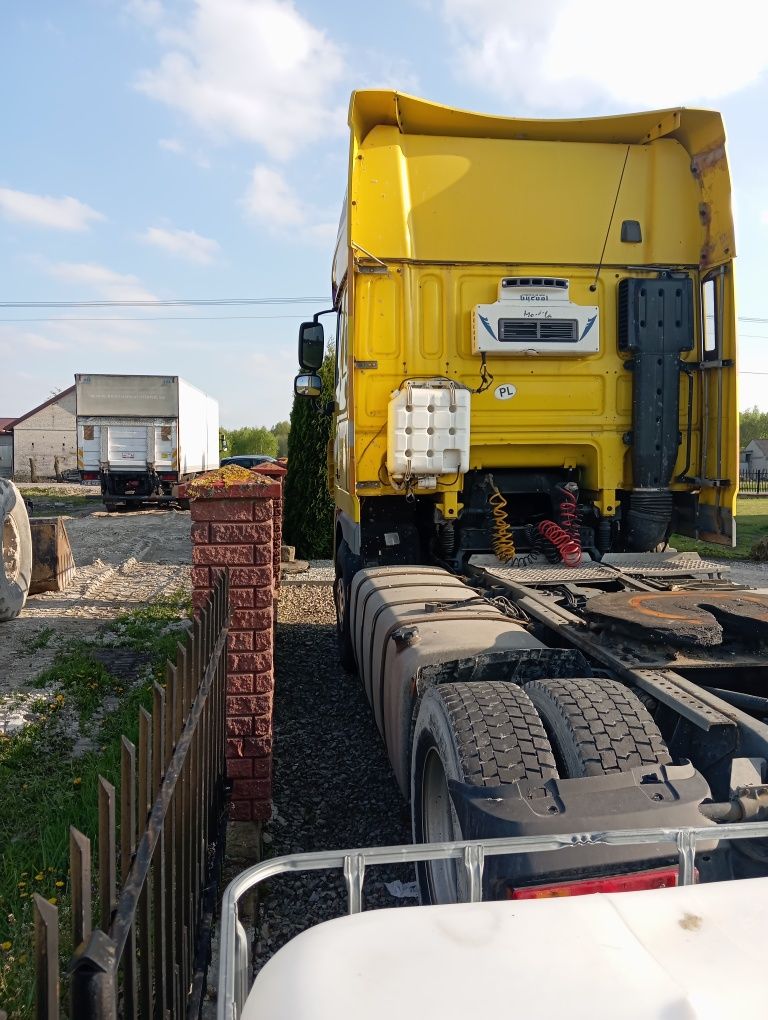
{"points": [[232, 528], [278, 473]]}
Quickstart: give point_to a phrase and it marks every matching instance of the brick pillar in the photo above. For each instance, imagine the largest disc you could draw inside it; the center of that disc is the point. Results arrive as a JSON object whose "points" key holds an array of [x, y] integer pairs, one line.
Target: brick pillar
{"points": [[232, 528], [278, 473]]}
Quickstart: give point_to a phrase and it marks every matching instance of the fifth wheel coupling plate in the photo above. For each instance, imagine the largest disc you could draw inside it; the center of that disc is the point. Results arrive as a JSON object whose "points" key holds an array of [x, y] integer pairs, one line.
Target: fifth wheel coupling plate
{"points": [[700, 618]]}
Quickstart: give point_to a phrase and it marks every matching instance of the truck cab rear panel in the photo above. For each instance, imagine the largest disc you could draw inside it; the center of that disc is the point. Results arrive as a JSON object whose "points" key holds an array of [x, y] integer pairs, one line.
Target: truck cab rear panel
{"points": [[522, 261]]}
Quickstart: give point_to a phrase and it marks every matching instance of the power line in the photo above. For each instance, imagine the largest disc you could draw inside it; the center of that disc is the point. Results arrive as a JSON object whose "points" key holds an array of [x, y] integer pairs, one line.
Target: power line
{"points": [[158, 303]]}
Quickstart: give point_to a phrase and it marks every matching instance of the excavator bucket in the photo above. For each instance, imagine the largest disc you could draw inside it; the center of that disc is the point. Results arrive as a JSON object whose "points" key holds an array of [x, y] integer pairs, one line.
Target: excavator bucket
{"points": [[53, 565]]}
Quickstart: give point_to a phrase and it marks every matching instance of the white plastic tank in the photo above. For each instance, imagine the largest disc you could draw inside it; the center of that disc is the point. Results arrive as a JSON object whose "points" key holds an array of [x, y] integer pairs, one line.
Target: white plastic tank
{"points": [[428, 429]]}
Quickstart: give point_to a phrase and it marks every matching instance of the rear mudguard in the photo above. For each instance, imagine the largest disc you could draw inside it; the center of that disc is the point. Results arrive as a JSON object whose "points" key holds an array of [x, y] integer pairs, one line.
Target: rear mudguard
{"points": [[650, 796]]}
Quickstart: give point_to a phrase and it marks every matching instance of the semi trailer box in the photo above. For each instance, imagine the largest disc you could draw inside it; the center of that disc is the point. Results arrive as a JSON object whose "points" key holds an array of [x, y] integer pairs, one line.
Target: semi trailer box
{"points": [[141, 435]]}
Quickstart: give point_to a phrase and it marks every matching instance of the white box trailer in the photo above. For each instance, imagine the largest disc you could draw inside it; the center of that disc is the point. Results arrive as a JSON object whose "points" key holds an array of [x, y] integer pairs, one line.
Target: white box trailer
{"points": [[140, 436]]}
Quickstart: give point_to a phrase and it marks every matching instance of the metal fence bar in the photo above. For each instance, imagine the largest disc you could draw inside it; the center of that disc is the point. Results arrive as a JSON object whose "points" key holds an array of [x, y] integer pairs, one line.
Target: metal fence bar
{"points": [[145, 767], [107, 851], [753, 481], [142, 936], [80, 885], [158, 862], [127, 850], [167, 812], [156, 927], [46, 958], [185, 834]]}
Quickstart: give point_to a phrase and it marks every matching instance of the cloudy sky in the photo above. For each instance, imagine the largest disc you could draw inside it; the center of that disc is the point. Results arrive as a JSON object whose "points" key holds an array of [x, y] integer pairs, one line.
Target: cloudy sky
{"points": [[196, 149]]}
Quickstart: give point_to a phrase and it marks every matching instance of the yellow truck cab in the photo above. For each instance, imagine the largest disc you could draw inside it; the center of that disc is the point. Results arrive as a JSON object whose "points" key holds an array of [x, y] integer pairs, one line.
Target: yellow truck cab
{"points": [[535, 347], [535, 386]]}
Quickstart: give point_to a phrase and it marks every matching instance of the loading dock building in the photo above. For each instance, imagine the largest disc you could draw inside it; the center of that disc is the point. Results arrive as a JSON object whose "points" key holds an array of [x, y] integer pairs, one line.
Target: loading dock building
{"points": [[45, 439]]}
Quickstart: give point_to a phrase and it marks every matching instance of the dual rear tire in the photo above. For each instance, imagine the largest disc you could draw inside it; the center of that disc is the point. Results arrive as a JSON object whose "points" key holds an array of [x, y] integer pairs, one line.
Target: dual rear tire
{"points": [[345, 569], [492, 733]]}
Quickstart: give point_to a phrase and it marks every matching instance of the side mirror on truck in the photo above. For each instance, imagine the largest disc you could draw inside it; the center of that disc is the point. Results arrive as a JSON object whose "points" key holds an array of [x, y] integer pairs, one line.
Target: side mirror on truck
{"points": [[308, 384], [311, 345]]}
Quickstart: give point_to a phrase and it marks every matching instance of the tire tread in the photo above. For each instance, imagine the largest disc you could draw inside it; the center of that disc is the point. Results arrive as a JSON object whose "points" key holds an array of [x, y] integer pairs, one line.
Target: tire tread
{"points": [[609, 728], [499, 735]]}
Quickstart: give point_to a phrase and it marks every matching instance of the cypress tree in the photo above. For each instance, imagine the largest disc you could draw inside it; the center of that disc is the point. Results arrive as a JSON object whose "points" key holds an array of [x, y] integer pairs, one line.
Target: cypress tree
{"points": [[308, 522]]}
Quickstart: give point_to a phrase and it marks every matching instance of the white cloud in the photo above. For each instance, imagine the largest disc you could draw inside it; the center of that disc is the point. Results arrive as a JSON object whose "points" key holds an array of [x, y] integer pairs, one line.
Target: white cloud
{"points": [[23, 340], [185, 243], [566, 54], [253, 70], [148, 12], [65, 213], [179, 149], [171, 145], [764, 217], [104, 282], [271, 201]]}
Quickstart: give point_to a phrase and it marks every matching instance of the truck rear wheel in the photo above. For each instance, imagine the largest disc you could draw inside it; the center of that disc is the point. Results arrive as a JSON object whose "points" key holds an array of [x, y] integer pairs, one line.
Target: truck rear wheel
{"points": [[341, 588], [16, 560], [483, 734], [597, 726]]}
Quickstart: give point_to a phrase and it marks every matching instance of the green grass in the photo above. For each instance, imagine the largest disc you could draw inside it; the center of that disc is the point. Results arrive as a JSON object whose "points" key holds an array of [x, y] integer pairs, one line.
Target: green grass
{"points": [[48, 492], [45, 790], [82, 681], [751, 526], [37, 642]]}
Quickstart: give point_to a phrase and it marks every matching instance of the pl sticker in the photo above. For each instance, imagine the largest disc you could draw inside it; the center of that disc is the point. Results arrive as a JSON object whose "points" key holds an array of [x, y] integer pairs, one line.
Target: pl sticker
{"points": [[505, 392]]}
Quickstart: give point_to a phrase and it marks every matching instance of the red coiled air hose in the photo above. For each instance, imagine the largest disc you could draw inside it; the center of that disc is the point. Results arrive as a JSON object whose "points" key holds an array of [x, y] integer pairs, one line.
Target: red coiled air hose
{"points": [[570, 518], [568, 547]]}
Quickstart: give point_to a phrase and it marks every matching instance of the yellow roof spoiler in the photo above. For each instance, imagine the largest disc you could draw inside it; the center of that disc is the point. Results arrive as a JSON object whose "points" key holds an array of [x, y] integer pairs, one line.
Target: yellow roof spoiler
{"points": [[698, 131]]}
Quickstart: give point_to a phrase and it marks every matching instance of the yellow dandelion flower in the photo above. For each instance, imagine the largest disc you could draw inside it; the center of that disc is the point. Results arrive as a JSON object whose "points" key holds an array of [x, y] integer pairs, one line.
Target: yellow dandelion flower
{"points": [[5, 946], [76, 781], [23, 958], [59, 884], [39, 876], [52, 899], [22, 884]]}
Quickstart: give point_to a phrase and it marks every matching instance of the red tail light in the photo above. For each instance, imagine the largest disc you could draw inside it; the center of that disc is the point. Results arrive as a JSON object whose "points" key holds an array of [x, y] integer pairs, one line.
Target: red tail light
{"points": [[662, 878], [89, 476]]}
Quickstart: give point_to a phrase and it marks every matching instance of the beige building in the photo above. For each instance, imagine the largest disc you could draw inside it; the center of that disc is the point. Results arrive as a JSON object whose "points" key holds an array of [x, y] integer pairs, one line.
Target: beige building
{"points": [[45, 435]]}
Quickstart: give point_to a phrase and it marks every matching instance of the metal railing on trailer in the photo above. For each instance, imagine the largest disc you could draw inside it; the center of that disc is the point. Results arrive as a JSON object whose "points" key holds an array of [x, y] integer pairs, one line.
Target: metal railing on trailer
{"points": [[149, 956], [235, 961]]}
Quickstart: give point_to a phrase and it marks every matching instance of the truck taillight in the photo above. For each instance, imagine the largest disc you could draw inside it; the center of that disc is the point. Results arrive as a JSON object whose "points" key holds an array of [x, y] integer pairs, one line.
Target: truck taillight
{"points": [[89, 476], [167, 476], [661, 878]]}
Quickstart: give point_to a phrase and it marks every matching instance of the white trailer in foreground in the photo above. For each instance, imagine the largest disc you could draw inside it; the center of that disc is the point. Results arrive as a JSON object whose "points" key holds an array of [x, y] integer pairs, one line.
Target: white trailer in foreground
{"points": [[140, 436], [682, 952]]}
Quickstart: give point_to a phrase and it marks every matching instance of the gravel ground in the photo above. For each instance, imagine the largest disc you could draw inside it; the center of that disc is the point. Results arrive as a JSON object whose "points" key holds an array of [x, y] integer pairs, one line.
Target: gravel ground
{"points": [[122, 562], [747, 572], [333, 785]]}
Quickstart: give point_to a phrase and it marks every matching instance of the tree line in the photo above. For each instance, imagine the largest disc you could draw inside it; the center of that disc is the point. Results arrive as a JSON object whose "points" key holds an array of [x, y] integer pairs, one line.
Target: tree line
{"points": [[255, 439], [753, 424]]}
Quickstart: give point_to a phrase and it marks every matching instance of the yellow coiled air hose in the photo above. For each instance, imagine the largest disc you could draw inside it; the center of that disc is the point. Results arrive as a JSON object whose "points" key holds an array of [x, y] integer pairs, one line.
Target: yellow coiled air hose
{"points": [[503, 539]]}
